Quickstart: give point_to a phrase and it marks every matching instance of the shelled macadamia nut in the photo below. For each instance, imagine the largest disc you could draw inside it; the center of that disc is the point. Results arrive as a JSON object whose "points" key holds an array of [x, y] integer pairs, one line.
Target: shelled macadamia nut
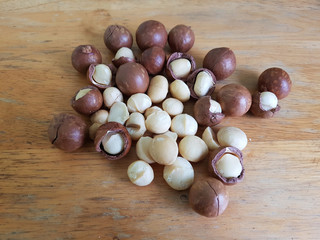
{"points": [[139, 102], [180, 65], [118, 113], [172, 106], [142, 149], [140, 173], [184, 124], [158, 88], [233, 137], [179, 175], [226, 164], [264, 104], [112, 95], [123, 56], [201, 82], [136, 125], [164, 149], [100, 75], [158, 122], [193, 148], [93, 129], [171, 134], [180, 90], [207, 112], [100, 116], [210, 138], [151, 110]]}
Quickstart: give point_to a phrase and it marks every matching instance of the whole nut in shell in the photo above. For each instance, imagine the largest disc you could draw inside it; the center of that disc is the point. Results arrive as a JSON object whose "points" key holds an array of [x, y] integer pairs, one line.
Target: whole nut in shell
{"points": [[151, 33], [180, 65], [201, 82], [181, 38], [207, 112], [208, 197], [116, 37], [264, 104], [275, 80], [221, 61], [153, 59], [83, 56]]}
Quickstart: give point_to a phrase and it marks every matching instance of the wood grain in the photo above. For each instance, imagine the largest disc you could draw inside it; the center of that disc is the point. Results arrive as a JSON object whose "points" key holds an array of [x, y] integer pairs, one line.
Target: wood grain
{"points": [[47, 193]]}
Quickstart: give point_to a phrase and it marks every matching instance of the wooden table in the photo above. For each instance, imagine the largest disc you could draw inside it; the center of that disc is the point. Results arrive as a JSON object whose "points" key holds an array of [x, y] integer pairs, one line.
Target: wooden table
{"points": [[46, 193]]}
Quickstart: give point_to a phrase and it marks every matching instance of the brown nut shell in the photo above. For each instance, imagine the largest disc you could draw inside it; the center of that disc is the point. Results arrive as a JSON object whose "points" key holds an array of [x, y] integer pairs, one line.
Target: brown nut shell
{"points": [[235, 99], [89, 103], [153, 59], [181, 38], [116, 37], [208, 197], [275, 80], [191, 79], [176, 56], [221, 61], [132, 78], [101, 86], [84, 55], [215, 157], [256, 108], [113, 127], [67, 131], [203, 115]]}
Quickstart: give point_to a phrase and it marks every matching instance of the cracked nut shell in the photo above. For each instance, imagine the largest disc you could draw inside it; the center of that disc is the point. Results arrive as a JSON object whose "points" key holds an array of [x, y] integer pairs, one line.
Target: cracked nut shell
{"points": [[84, 55], [90, 76], [191, 80], [257, 110], [203, 115], [116, 37], [175, 56]]}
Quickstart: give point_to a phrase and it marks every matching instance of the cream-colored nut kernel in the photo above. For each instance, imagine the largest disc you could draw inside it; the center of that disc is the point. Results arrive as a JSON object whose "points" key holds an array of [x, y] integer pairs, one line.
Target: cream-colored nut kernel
{"points": [[140, 173], [184, 124], [180, 90], [232, 136], [229, 166], [193, 148], [139, 102], [158, 88], [93, 130], [158, 122], [100, 116], [113, 143], [151, 110], [118, 113], [136, 125], [179, 175], [81, 93], [112, 95], [203, 84], [173, 135], [215, 107], [163, 149], [209, 137], [142, 149], [172, 106], [124, 52], [102, 74], [180, 67], [268, 101]]}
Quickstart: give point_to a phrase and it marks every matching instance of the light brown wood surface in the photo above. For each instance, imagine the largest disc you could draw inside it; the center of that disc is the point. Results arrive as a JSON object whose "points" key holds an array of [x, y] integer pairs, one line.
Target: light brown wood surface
{"points": [[46, 193]]}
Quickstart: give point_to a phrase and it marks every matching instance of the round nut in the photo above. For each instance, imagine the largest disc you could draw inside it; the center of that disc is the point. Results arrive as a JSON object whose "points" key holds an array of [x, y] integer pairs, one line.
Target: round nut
{"points": [[153, 59], [100, 75], [100, 116], [180, 90], [118, 113], [140, 173], [201, 82], [173, 135], [136, 125], [158, 89], [158, 122], [264, 104], [151, 110], [142, 149], [180, 65], [139, 102], [179, 175], [172, 106], [123, 56], [112, 95], [226, 164], [93, 130], [116, 37], [232, 137], [209, 137], [184, 124], [208, 197], [163, 149], [275, 80], [181, 38], [84, 55], [193, 148], [207, 112]]}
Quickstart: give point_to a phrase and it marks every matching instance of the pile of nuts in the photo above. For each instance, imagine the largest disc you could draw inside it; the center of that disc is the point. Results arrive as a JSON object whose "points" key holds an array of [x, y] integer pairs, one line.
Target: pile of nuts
{"points": [[142, 99]]}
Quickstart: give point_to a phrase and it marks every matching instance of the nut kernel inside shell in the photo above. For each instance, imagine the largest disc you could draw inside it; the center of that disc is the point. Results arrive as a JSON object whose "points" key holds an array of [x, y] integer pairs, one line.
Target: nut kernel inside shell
{"points": [[229, 166], [113, 143], [102, 74], [268, 101], [81, 93], [124, 52], [180, 67]]}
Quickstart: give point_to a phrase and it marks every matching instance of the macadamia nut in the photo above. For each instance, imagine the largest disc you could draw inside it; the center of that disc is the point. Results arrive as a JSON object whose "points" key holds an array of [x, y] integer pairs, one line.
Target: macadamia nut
{"points": [[268, 101], [151, 110], [180, 67], [184, 124], [124, 52], [112, 95], [158, 88], [171, 134], [172, 106], [158, 122], [136, 125], [100, 116], [82, 92], [229, 166], [203, 84], [209, 137], [232, 136], [193, 148], [142, 149], [113, 143], [140, 173], [180, 90], [179, 175], [93, 130], [118, 113], [164, 149], [139, 102], [102, 74]]}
